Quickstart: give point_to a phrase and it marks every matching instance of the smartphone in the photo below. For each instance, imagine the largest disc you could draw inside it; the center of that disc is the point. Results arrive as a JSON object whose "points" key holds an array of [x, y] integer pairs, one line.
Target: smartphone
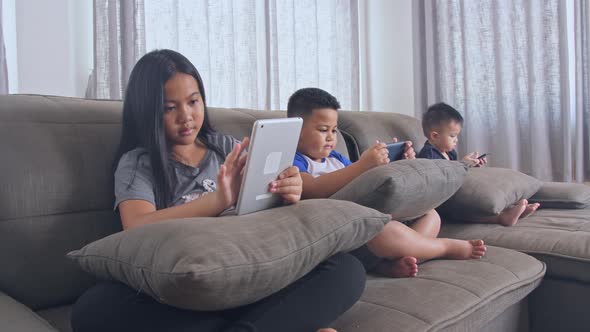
{"points": [[396, 150], [483, 155]]}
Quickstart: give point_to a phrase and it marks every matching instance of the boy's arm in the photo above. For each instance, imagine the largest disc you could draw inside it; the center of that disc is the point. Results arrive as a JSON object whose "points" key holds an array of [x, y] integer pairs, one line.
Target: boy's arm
{"points": [[327, 184], [472, 158]]}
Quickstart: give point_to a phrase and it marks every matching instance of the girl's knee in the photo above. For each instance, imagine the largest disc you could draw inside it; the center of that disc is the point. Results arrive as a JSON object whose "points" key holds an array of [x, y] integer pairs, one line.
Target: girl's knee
{"points": [[345, 262], [84, 312], [349, 272], [104, 305]]}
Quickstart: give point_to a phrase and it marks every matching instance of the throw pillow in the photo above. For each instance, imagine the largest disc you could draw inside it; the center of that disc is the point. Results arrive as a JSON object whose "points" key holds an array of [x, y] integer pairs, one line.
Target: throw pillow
{"points": [[561, 195], [224, 262], [405, 189], [487, 191]]}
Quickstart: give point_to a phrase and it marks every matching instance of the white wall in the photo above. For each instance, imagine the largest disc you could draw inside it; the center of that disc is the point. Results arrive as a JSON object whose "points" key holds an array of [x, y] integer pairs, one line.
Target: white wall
{"points": [[387, 79], [53, 46]]}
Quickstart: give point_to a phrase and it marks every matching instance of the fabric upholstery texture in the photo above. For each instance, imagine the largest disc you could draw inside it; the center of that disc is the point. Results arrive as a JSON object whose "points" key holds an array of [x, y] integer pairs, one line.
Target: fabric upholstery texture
{"points": [[560, 195], [364, 128], [56, 196], [487, 191], [56, 193], [560, 238], [225, 262], [17, 317], [463, 293], [406, 189]]}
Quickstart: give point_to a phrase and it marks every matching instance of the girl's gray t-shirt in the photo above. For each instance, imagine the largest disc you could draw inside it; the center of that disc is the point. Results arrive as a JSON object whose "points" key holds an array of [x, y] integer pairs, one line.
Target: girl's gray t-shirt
{"points": [[134, 178]]}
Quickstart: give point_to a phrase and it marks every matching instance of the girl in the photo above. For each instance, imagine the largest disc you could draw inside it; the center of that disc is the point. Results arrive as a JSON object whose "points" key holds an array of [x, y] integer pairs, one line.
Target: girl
{"points": [[172, 164]]}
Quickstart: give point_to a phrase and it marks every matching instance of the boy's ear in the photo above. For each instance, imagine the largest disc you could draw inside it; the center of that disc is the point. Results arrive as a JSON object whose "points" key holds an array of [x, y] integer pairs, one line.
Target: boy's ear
{"points": [[434, 135]]}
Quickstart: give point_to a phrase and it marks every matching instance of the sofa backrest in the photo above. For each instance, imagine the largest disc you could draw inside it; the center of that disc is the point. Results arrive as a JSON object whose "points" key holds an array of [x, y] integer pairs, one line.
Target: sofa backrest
{"points": [[56, 192], [362, 129]]}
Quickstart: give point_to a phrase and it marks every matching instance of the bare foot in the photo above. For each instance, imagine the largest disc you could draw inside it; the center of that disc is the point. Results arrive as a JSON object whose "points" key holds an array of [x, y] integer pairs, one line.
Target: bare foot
{"points": [[460, 249], [326, 330], [529, 209], [510, 215], [405, 267]]}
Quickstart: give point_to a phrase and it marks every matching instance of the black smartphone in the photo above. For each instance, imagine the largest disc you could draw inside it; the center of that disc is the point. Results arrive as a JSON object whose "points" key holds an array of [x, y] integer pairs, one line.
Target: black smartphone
{"points": [[483, 155], [396, 150]]}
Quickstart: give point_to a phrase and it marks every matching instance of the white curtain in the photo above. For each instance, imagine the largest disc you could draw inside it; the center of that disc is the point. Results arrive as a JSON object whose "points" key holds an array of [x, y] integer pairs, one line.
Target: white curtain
{"points": [[250, 53], [313, 43], [505, 65], [582, 90], [118, 43], [3, 66]]}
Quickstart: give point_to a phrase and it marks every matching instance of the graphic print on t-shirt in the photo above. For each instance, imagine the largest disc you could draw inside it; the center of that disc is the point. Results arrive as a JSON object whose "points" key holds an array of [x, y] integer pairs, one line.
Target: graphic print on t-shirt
{"points": [[209, 186]]}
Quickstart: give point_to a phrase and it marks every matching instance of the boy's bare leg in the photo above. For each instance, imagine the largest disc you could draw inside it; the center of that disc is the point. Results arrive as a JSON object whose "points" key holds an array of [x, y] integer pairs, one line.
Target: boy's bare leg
{"points": [[326, 330], [396, 240], [428, 225], [404, 267], [509, 216]]}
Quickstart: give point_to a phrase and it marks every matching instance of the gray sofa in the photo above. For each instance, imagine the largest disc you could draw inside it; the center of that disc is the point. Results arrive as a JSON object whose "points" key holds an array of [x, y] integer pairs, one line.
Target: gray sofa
{"points": [[56, 195]]}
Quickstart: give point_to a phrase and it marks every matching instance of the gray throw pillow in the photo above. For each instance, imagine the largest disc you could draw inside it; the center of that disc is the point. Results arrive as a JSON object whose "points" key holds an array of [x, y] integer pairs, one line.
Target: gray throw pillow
{"points": [[405, 189], [487, 191], [561, 195], [225, 262]]}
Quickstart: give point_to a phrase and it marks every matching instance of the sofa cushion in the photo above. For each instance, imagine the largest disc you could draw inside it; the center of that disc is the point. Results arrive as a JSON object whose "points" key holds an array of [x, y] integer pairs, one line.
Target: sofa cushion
{"points": [[406, 189], [560, 195], [560, 238], [224, 262], [17, 317], [458, 295], [487, 191]]}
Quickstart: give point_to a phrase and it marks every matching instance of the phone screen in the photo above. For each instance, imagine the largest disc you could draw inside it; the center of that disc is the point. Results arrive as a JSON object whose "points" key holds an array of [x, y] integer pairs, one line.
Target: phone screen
{"points": [[396, 150]]}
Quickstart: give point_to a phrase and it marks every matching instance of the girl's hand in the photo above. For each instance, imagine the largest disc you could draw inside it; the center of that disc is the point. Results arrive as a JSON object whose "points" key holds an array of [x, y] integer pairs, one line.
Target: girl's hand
{"points": [[409, 152], [376, 155], [229, 177], [472, 158], [288, 184]]}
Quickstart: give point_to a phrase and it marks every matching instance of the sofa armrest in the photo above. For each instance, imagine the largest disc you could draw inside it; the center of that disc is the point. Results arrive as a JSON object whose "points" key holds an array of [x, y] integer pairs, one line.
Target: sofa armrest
{"points": [[561, 195], [16, 317]]}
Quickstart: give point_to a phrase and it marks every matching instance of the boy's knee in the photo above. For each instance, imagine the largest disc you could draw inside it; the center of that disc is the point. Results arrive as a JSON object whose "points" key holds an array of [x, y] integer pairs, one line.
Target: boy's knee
{"points": [[391, 228], [433, 216]]}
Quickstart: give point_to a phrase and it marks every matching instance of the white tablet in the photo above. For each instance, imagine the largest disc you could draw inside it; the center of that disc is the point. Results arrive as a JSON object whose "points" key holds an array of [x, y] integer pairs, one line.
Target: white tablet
{"points": [[272, 149]]}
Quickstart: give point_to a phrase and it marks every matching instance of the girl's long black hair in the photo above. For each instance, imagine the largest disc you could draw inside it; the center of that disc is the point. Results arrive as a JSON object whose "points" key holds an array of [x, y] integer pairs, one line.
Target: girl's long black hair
{"points": [[143, 111]]}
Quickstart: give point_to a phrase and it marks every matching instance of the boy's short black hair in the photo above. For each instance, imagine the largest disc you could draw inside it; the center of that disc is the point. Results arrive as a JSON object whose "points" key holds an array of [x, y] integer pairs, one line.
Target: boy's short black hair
{"points": [[438, 114], [304, 101]]}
